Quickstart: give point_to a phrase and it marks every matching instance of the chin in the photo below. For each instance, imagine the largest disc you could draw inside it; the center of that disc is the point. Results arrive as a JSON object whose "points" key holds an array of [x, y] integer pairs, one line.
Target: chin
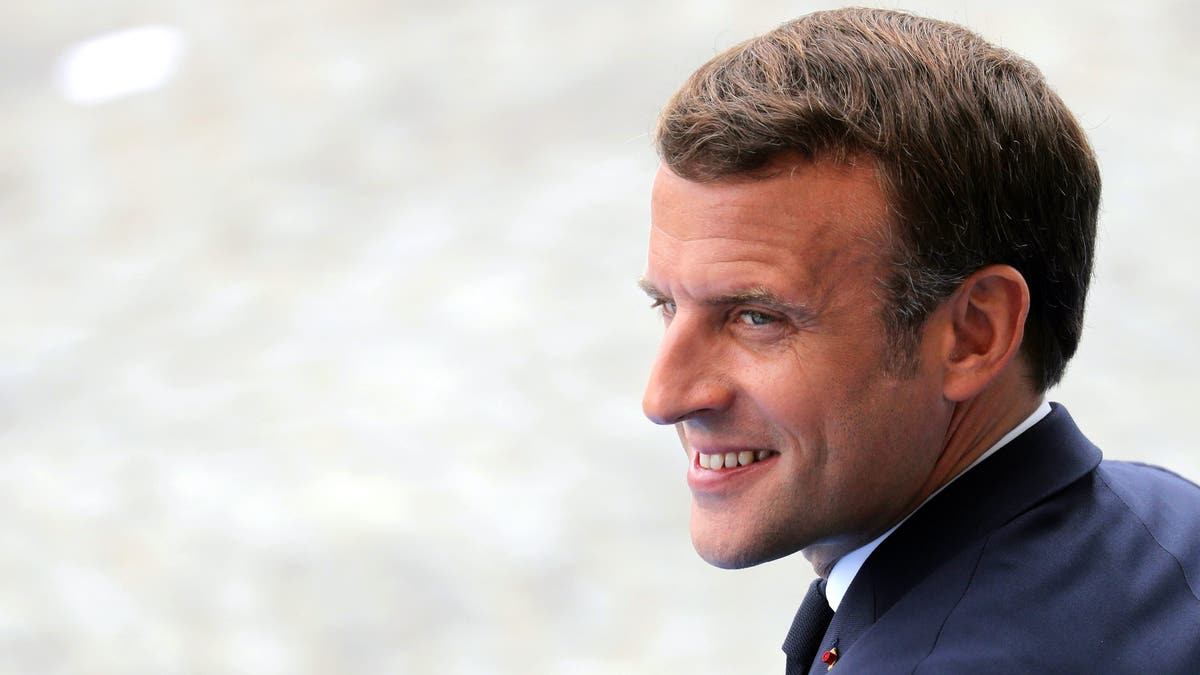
{"points": [[735, 555]]}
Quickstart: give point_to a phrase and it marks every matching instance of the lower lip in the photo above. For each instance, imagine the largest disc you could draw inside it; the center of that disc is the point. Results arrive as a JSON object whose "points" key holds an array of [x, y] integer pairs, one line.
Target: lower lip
{"points": [[708, 481]]}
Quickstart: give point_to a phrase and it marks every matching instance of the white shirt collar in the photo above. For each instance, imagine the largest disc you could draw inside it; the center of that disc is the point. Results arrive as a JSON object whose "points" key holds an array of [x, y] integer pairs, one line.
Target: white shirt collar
{"points": [[846, 568]]}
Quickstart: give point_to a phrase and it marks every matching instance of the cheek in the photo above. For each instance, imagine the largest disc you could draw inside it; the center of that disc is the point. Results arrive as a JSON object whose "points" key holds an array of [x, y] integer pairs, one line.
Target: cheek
{"points": [[797, 413], [822, 391], [785, 393], [904, 420]]}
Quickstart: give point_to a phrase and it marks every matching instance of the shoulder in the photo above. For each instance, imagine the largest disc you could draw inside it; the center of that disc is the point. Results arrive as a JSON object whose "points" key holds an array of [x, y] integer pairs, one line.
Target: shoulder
{"points": [[1042, 558], [1164, 509], [1151, 493], [1106, 573]]}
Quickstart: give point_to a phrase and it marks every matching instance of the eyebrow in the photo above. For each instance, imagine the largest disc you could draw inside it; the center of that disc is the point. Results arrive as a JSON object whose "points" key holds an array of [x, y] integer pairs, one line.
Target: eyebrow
{"points": [[651, 290], [755, 295]]}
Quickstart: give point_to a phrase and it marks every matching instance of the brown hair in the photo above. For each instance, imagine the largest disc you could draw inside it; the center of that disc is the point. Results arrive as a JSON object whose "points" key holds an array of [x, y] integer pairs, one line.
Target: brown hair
{"points": [[981, 161]]}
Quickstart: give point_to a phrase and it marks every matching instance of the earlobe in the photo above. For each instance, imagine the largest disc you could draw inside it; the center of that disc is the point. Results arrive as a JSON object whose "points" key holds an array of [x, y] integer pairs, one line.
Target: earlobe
{"points": [[985, 325]]}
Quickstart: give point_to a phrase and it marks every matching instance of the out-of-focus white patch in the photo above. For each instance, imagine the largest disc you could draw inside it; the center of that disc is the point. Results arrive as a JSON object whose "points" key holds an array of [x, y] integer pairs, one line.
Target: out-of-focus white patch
{"points": [[118, 64]]}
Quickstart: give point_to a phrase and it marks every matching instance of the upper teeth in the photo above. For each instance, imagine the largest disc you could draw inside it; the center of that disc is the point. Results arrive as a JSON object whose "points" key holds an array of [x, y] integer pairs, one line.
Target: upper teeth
{"points": [[732, 459]]}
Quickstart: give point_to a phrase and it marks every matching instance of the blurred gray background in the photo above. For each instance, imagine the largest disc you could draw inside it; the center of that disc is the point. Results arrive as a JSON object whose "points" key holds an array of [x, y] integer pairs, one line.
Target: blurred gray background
{"points": [[322, 351]]}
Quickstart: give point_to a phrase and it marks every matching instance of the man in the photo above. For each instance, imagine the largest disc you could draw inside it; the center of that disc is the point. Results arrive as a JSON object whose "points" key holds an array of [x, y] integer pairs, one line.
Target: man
{"points": [[872, 236]]}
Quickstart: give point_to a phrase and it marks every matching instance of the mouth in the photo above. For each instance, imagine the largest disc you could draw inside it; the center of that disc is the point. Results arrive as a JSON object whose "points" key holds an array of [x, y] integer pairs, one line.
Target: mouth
{"points": [[731, 460], [720, 475]]}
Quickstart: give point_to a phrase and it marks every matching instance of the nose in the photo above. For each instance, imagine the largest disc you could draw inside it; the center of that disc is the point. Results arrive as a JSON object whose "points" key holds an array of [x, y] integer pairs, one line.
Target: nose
{"points": [[686, 379]]}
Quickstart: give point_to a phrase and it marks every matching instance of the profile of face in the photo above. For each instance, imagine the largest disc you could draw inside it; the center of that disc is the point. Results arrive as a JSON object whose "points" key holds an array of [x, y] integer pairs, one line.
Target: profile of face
{"points": [[772, 363]]}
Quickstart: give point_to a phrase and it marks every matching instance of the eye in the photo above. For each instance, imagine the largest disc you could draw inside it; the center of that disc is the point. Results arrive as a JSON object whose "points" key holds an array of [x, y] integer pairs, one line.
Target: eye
{"points": [[751, 317], [665, 307]]}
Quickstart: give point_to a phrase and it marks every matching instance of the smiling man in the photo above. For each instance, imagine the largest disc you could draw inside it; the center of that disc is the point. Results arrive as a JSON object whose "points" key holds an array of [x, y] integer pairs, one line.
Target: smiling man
{"points": [[871, 240]]}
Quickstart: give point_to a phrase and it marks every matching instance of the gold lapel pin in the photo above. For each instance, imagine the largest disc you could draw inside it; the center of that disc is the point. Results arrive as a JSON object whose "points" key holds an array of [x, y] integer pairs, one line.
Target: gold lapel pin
{"points": [[830, 658]]}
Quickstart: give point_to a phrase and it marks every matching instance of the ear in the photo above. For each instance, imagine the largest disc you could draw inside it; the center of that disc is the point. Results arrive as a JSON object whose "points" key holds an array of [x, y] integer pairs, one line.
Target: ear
{"points": [[985, 325]]}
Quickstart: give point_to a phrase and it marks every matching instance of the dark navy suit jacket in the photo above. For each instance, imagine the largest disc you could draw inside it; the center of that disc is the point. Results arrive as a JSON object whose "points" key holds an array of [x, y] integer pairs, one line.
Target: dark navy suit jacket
{"points": [[1041, 559]]}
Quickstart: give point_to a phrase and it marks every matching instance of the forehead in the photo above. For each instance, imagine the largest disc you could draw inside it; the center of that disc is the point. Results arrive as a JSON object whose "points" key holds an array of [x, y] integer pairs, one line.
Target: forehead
{"points": [[806, 223]]}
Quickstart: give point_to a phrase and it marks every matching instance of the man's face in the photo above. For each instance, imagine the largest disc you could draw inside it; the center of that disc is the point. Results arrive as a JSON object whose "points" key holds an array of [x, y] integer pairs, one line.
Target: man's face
{"points": [[773, 358]]}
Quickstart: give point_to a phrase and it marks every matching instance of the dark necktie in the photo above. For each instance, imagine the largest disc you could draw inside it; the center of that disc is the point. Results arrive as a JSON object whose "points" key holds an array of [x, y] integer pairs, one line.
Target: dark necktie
{"points": [[809, 626]]}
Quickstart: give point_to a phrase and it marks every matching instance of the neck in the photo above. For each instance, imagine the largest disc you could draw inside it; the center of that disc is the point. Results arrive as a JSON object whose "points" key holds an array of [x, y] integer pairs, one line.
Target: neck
{"points": [[974, 426]]}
